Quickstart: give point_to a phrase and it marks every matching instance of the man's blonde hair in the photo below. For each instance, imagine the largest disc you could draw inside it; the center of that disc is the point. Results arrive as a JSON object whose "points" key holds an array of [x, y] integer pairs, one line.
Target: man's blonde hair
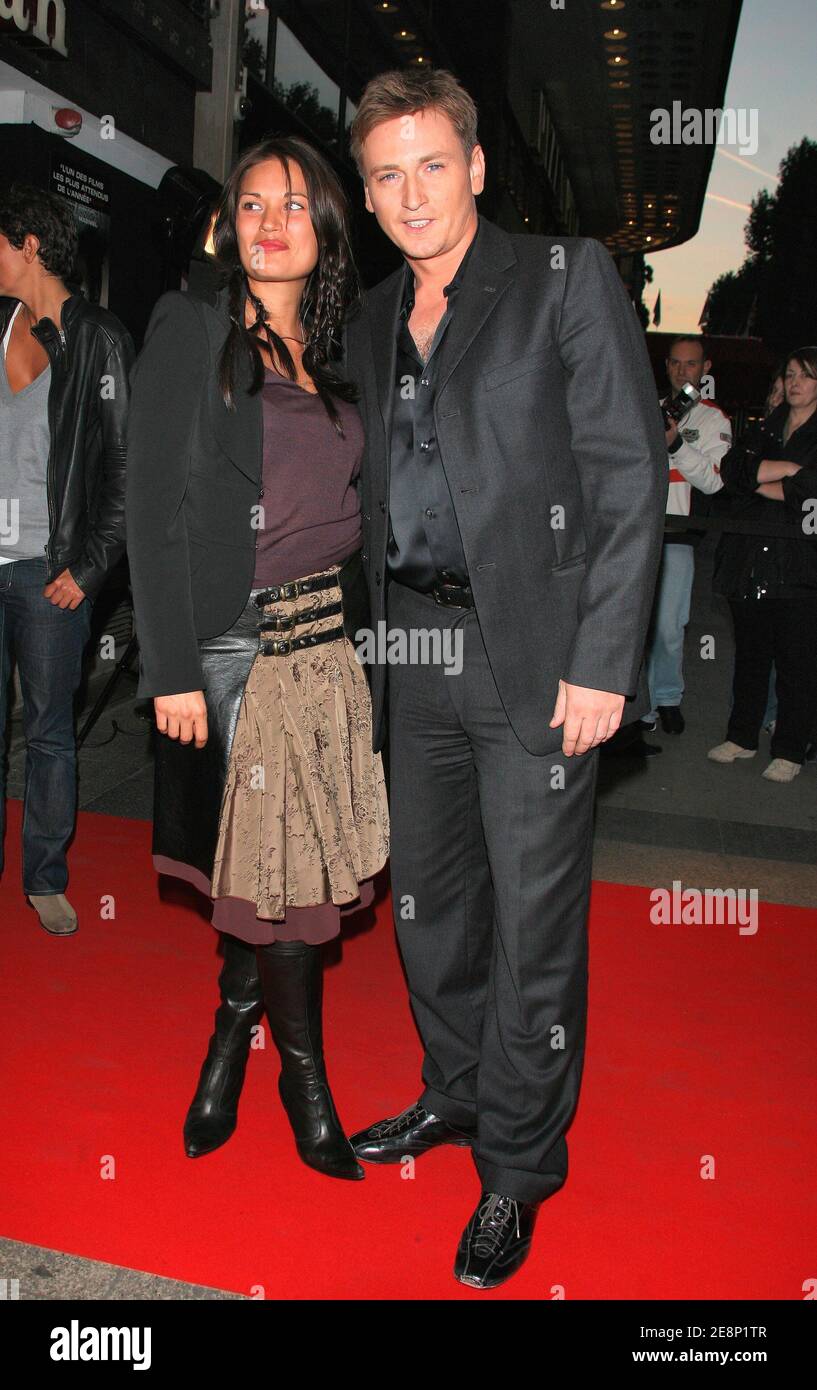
{"points": [[400, 93]]}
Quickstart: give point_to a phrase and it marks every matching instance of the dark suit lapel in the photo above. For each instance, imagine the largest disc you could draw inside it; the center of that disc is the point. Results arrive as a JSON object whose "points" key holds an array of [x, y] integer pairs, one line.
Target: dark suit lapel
{"points": [[487, 276], [383, 306]]}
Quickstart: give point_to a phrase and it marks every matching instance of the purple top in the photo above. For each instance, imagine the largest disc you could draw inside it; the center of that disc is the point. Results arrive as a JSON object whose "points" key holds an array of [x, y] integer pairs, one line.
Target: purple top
{"points": [[311, 508]]}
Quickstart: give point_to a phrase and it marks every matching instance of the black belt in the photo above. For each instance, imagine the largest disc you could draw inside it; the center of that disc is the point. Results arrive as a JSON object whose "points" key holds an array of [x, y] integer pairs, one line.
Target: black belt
{"points": [[296, 587], [296, 644], [451, 595], [283, 624]]}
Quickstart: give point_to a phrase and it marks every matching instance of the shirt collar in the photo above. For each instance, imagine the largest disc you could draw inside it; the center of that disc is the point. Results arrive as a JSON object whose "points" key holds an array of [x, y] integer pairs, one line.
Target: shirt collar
{"points": [[450, 290]]}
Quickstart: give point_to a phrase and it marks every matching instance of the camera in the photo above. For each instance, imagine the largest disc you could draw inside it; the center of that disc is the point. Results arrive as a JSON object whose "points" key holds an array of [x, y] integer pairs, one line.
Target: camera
{"points": [[674, 411]]}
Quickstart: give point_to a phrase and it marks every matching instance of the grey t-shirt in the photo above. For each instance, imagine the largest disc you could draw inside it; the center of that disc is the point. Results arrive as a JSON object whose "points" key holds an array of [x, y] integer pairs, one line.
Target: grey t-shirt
{"points": [[24, 445]]}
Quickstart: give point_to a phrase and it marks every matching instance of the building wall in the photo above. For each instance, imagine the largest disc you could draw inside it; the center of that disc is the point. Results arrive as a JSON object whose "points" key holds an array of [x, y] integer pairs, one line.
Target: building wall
{"points": [[111, 72]]}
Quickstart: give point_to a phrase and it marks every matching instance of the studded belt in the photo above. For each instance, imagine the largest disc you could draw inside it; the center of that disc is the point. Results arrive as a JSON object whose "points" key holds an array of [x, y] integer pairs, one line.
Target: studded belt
{"points": [[280, 647], [296, 587], [285, 623]]}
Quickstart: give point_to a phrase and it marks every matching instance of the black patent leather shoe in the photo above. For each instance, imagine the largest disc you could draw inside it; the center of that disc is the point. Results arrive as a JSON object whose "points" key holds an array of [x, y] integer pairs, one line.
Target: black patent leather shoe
{"points": [[495, 1242], [409, 1134], [672, 720]]}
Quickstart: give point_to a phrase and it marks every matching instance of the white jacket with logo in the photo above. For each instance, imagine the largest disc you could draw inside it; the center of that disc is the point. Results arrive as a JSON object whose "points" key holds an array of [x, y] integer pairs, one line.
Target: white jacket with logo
{"points": [[707, 436]]}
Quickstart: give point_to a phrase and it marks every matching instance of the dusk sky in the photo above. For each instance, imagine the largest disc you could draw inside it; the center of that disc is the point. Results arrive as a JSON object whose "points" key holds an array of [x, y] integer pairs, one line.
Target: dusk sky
{"points": [[774, 69]]}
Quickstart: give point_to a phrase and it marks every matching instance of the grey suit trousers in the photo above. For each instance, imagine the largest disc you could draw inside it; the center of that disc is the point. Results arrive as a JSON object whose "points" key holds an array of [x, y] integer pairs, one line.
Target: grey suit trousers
{"points": [[490, 873]]}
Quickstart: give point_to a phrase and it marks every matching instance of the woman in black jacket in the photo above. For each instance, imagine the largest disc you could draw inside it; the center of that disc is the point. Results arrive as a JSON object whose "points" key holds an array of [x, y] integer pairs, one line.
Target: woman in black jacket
{"points": [[244, 533], [770, 576]]}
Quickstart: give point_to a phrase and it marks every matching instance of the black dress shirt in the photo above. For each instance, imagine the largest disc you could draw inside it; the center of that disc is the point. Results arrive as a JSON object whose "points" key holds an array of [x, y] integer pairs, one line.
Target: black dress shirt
{"points": [[424, 539]]}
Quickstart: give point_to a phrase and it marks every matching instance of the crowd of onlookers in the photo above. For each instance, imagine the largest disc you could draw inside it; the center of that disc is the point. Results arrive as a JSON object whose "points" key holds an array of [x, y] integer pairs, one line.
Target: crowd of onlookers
{"points": [[761, 490]]}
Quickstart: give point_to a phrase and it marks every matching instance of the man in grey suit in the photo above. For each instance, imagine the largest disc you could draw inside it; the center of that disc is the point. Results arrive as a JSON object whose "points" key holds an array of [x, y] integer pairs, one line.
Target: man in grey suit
{"points": [[513, 491]]}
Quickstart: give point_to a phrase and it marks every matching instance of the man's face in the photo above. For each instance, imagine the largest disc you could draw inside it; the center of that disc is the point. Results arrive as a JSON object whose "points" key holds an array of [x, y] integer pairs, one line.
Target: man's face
{"points": [[419, 183], [686, 363]]}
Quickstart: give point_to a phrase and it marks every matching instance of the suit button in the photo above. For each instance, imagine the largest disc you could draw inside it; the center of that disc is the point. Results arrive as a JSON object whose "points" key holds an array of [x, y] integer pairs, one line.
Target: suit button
{"points": [[364, 554], [382, 505], [429, 512], [377, 577]]}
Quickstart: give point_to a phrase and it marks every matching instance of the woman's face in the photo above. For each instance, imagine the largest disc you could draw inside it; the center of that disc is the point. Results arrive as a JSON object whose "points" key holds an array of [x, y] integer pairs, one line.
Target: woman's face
{"points": [[276, 239], [801, 389]]}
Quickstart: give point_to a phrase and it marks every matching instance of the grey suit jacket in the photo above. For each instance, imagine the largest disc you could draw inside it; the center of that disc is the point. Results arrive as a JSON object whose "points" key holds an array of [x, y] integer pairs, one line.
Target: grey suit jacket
{"points": [[549, 431]]}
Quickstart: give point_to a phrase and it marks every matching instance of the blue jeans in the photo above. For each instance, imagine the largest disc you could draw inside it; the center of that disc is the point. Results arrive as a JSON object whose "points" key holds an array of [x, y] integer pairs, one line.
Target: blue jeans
{"points": [[670, 615], [48, 643]]}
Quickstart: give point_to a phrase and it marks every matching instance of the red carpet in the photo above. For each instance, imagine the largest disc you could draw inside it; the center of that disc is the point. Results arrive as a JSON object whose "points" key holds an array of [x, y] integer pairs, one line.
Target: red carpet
{"points": [[700, 1043]]}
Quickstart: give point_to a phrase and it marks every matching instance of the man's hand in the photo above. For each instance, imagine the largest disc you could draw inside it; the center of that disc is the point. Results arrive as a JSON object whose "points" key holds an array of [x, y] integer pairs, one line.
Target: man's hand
{"points": [[672, 433], [589, 716], [63, 592], [182, 716]]}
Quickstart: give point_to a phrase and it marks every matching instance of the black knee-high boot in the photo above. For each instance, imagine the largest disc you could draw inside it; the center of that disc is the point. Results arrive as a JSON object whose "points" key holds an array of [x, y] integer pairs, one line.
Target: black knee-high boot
{"points": [[212, 1116], [292, 981]]}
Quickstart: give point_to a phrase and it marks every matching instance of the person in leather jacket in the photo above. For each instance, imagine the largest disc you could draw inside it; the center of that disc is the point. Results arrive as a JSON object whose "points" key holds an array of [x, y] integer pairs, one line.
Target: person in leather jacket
{"points": [[64, 368]]}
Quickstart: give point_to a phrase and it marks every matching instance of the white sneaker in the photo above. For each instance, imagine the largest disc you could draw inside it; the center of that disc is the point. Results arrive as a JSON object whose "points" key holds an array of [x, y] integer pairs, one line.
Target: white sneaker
{"points": [[729, 752], [781, 770]]}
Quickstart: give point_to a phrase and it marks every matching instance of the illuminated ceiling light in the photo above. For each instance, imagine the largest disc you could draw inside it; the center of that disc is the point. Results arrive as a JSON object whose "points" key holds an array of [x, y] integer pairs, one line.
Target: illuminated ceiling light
{"points": [[404, 35], [617, 86], [616, 5], [618, 62], [616, 33], [385, 7], [419, 59]]}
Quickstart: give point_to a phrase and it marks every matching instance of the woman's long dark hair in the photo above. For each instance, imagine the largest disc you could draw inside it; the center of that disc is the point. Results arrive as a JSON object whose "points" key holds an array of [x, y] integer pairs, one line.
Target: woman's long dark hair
{"points": [[330, 288]]}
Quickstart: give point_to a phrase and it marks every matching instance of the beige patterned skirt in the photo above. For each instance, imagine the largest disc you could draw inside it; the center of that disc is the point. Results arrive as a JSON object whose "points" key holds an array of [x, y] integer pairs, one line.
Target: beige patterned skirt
{"points": [[304, 816]]}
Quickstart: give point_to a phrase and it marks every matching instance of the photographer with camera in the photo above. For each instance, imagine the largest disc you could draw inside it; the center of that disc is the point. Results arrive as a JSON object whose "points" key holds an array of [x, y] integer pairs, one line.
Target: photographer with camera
{"points": [[771, 580], [698, 435]]}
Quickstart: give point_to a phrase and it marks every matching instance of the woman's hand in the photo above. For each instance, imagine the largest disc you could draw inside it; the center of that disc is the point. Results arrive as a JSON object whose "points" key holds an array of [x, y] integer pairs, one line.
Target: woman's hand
{"points": [[772, 470], [774, 491], [182, 716]]}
